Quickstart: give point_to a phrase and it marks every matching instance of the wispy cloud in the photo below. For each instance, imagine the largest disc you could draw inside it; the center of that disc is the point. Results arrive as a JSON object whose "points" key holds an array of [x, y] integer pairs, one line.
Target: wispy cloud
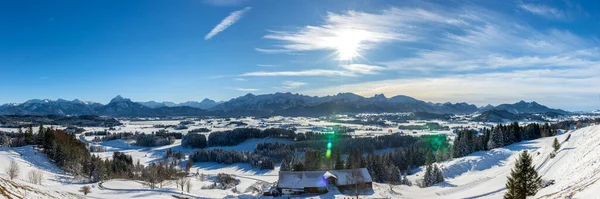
{"points": [[288, 85], [363, 68], [542, 10], [313, 72], [458, 53], [244, 89], [224, 2], [228, 21], [356, 28], [546, 86], [240, 79], [272, 51], [267, 65]]}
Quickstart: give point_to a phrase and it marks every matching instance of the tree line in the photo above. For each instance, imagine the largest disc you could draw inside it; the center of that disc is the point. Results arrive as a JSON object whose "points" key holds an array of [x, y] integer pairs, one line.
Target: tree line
{"points": [[468, 140], [239, 135], [231, 157]]}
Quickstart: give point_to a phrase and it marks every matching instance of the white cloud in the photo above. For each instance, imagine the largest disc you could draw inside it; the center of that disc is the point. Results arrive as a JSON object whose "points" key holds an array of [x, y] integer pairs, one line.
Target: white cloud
{"points": [[358, 28], [542, 10], [460, 53], [245, 89], [267, 65], [313, 72], [224, 2], [363, 68], [571, 89], [271, 51], [240, 79], [228, 21], [287, 85]]}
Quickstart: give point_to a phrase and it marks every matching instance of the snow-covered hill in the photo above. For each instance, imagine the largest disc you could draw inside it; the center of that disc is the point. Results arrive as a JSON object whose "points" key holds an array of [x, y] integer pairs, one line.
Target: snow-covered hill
{"points": [[575, 169]]}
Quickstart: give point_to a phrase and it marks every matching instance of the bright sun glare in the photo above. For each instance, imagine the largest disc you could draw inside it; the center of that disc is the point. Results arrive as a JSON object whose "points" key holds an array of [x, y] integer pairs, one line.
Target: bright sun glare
{"points": [[348, 43]]}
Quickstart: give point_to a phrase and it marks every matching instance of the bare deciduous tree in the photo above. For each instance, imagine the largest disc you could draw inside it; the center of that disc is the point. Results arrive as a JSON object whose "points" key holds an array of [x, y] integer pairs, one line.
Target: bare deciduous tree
{"points": [[13, 169], [35, 176], [85, 190], [188, 186], [181, 181], [357, 179]]}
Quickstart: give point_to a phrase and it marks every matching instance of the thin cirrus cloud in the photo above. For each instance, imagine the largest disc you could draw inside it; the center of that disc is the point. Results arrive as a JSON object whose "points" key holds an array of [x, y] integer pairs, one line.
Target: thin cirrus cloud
{"points": [[288, 85], [312, 72], [244, 89], [361, 29], [543, 10], [224, 2], [267, 65], [464, 52], [227, 22], [363, 68]]}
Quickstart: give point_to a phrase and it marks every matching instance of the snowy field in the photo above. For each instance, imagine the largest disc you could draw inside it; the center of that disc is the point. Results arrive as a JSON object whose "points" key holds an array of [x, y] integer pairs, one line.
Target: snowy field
{"points": [[482, 174]]}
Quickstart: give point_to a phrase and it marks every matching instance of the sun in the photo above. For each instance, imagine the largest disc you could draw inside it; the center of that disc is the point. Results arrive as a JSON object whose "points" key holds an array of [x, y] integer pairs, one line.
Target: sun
{"points": [[348, 43]]}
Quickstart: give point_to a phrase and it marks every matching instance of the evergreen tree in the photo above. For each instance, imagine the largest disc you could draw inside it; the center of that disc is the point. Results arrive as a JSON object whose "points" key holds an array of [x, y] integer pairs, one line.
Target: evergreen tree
{"points": [[285, 165], [523, 180], [556, 145], [395, 175], [298, 166], [439, 176], [405, 180], [428, 177], [339, 162], [496, 139], [429, 159], [439, 155], [39, 137]]}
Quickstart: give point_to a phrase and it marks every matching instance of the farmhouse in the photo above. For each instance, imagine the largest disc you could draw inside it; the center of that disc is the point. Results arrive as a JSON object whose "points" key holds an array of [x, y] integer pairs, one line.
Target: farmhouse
{"points": [[300, 182]]}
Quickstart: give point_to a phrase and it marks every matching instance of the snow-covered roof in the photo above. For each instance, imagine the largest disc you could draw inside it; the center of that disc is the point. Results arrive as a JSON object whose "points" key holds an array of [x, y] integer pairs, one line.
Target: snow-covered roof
{"points": [[352, 176], [328, 174], [301, 179]]}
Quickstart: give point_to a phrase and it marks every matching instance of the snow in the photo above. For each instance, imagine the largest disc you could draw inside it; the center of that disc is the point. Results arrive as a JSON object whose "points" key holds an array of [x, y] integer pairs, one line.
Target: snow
{"points": [[575, 169]]}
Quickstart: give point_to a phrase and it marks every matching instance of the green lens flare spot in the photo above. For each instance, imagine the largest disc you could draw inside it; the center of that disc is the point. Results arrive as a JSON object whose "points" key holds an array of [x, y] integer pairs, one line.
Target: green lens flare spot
{"points": [[329, 145], [328, 153]]}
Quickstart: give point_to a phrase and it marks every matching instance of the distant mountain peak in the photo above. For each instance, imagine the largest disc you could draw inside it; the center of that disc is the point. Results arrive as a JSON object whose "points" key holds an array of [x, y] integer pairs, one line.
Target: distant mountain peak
{"points": [[119, 98], [206, 100], [379, 96]]}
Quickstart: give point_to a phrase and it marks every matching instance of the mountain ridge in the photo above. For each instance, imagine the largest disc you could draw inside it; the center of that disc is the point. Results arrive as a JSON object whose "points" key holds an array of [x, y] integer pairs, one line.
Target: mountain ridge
{"points": [[284, 104]]}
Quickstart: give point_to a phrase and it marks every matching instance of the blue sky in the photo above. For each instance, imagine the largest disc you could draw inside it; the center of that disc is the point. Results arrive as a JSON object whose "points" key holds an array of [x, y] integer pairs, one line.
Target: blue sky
{"points": [[475, 51]]}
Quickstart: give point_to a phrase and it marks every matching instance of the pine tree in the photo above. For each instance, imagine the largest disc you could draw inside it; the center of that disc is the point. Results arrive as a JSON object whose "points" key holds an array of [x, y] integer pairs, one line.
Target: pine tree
{"points": [[523, 180], [298, 166], [439, 155], [427, 178], [439, 176], [496, 139], [556, 145], [429, 158], [395, 176], [405, 181], [285, 165], [339, 162]]}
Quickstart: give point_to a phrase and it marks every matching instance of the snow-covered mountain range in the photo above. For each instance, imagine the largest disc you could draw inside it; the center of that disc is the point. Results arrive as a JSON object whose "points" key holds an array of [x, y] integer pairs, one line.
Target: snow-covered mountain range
{"points": [[286, 104]]}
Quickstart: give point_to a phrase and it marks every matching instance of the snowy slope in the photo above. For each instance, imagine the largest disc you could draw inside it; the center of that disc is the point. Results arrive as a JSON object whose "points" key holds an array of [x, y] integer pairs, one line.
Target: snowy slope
{"points": [[576, 169]]}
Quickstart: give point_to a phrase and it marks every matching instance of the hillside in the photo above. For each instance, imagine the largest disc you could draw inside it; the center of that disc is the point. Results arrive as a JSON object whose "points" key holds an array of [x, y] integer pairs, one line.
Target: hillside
{"points": [[483, 174]]}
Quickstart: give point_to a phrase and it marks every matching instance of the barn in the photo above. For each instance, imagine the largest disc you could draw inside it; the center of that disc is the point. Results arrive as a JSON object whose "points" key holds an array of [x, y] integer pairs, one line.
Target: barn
{"points": [[301, 182]]}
